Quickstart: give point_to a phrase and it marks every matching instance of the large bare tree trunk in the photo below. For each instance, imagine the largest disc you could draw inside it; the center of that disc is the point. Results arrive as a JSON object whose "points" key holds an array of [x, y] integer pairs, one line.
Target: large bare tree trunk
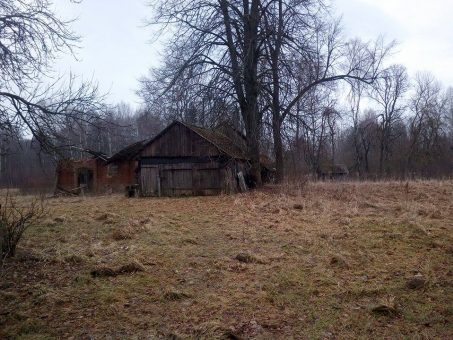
{"points": [[278, 149], [245, 79], [254, 152], [274, 45]]}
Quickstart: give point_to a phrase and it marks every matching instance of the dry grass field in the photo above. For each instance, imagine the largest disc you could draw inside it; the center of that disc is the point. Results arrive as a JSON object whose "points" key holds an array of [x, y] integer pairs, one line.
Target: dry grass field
{"points": [[330, 260]]}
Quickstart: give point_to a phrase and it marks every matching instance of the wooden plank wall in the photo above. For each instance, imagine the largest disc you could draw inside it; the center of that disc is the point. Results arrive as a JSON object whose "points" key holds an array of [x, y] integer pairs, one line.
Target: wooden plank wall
{"points": [[187, 179], [196, 167], [149, 181], [180, 141], [190, 179]]}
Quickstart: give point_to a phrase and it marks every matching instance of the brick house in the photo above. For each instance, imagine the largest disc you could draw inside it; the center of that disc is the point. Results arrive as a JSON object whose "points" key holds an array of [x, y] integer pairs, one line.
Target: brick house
{"points": [[99, 174]]}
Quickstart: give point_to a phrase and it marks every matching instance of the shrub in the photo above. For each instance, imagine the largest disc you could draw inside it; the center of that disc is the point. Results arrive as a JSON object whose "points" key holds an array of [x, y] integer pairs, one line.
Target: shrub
{"points": [[14, 220]]}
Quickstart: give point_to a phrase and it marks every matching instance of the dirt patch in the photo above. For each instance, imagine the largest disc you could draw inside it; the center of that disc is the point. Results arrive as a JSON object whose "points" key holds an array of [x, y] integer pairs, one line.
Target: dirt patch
{"points": [[103, 272], [416, 282]]}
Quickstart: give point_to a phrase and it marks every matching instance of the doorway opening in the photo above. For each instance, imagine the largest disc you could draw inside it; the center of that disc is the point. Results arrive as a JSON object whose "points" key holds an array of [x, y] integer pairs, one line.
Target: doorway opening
{"points": [[85, 179]]}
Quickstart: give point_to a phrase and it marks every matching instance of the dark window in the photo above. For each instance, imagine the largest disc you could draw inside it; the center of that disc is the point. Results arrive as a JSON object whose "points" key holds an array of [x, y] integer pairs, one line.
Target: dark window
{"points": [[112, 170]]}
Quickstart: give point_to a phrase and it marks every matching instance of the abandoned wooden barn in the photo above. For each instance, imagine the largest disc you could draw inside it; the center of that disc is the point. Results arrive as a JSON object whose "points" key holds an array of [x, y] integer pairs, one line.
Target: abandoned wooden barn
{"points": [[182, 159], [188, 160]]}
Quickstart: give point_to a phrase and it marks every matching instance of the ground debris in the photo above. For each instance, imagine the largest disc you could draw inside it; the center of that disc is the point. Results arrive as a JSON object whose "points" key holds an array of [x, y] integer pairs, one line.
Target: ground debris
{"points": [[248, 258], [175, 295], [416, 282], [248, 329], [123, 233], [107, 217], [60, 219], [386, 307], [132, 267], [104, 271], [339, 261]]}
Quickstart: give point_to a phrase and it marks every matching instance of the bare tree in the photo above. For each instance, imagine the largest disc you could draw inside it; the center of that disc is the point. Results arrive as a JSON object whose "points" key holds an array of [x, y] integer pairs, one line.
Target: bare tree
{"points": [[368, 131], [192, 97], [427, 126], [388, 92], [450, 111], [313, 129], [224, 38], [304, 50], [31, 99], [355, 99], [273, 62], [285, 48]]}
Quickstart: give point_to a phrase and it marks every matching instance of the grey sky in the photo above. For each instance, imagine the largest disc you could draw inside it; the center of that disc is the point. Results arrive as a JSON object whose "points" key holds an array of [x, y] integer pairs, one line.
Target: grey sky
{"points": [[115, 49]]}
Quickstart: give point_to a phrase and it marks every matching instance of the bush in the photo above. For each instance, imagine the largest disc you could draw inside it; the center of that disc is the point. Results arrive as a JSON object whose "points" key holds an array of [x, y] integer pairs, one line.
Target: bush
{"points": [[14, 220]]}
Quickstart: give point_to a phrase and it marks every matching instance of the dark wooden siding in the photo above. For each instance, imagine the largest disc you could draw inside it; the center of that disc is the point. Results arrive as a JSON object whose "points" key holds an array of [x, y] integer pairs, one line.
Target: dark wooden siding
{"points": [[182, 179], [180, 141], [149, 181], [186, 164]]}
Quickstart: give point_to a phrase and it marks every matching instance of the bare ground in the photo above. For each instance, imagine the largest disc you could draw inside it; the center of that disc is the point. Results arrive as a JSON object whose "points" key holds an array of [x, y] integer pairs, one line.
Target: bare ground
{"points": [[331, 260]]}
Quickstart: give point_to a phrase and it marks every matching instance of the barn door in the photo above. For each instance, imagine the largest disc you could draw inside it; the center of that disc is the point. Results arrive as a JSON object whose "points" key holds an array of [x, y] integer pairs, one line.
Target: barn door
{"points": [[149, 181]]}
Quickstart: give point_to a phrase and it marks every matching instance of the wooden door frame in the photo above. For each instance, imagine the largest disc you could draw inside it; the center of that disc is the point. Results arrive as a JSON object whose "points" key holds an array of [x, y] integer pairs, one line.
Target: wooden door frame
{"points": [[156, 167]]}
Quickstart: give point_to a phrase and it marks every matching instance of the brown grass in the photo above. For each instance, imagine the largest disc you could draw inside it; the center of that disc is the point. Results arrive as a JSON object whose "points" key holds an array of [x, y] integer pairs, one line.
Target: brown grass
{"points": [[327, 260]]}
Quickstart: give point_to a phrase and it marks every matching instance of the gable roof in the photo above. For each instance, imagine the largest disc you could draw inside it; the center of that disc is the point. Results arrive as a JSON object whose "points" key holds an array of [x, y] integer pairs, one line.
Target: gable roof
{"points": [[223, 143]]}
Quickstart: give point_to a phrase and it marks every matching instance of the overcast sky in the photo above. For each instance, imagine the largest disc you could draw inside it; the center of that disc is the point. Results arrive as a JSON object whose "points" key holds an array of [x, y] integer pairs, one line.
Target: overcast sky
{"points": [[116, 48]]}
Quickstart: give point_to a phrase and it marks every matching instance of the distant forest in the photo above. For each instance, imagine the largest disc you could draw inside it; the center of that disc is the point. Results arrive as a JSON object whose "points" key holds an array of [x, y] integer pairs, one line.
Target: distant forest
{"points": [[415, 142]]}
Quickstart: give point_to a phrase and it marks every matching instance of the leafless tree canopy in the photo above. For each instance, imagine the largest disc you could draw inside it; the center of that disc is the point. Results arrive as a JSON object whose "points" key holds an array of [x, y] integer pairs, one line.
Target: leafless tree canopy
{"points": [[263, 58], [32, 99]]}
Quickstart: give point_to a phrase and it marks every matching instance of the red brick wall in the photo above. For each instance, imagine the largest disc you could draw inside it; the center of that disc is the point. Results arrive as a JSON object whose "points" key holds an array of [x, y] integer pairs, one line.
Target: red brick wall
{"points": [[65, 175], [125, 176], [67, 172]]}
